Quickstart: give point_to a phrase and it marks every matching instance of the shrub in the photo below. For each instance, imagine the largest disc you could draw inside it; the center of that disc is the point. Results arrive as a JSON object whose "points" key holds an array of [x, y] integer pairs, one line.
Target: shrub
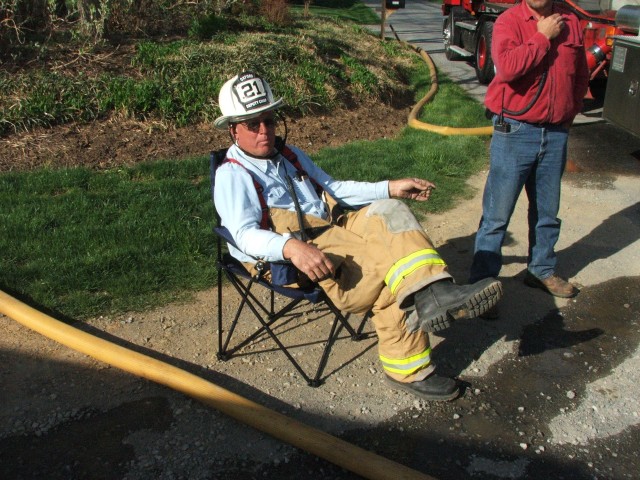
{"points": [[207, 27], [275, 11]]}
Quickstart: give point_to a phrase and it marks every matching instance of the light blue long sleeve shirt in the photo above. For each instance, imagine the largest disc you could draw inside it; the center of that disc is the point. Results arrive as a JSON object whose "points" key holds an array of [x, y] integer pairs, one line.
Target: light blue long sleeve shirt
{"points": [[238, 205]]}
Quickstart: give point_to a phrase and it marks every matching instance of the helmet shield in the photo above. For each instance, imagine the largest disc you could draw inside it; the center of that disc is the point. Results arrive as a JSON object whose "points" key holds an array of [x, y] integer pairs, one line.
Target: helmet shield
{"points": [[244, 97]]}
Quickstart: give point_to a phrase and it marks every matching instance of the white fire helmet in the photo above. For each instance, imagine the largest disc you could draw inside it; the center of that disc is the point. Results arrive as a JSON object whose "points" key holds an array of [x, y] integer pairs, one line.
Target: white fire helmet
{"points": [[244, 97]]}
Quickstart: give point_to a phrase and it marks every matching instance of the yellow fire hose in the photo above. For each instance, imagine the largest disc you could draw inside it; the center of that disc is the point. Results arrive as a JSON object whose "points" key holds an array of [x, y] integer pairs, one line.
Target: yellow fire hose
{"points": [[298, 434], [413, 115], [442, 130]]}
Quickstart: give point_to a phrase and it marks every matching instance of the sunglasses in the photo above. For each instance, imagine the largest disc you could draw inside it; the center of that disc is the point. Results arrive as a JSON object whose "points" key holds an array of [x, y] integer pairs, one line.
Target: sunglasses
{"points": [[254, 125]]}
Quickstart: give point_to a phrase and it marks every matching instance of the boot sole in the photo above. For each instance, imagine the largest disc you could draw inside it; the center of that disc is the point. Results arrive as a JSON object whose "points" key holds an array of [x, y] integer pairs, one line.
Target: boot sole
{"points": [[479, 303], [426, 396]]}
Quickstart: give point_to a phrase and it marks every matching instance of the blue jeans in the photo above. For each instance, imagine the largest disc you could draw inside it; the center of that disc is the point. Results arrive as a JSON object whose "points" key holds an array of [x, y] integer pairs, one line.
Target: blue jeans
{"points": [[530, 156]]}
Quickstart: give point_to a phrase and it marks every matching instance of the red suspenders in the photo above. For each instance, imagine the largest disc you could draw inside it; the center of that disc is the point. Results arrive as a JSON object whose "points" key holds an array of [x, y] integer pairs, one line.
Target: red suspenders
{"points": [[293, 159]]}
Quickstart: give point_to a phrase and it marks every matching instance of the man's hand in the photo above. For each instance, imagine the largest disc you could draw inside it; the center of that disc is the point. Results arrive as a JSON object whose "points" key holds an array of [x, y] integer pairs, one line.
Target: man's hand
{"points": [[308, 259], [413, 188], [551, 26]]}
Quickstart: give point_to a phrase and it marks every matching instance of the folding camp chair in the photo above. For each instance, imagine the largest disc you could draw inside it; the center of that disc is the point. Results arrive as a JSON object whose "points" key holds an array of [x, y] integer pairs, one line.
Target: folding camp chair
{"points": [[245, 284]]}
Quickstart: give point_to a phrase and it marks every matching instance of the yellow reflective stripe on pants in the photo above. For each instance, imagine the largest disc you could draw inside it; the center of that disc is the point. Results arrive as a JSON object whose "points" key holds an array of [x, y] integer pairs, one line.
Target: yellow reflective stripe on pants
{"points": [[407, 366], [409, 264]]}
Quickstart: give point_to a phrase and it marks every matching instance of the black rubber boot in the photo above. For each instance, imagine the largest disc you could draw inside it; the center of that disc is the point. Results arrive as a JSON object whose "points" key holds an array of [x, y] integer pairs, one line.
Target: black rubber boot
{"points": [[434, 387], [443, 302]]}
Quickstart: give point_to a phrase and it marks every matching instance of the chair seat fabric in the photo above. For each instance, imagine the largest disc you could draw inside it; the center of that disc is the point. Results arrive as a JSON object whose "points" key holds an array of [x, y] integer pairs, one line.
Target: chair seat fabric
{"points": [[312, 294]]}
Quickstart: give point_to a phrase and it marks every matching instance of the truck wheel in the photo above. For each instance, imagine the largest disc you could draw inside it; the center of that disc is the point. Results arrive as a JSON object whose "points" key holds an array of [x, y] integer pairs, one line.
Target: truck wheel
{"points": [[448, 32], [484, 63]]}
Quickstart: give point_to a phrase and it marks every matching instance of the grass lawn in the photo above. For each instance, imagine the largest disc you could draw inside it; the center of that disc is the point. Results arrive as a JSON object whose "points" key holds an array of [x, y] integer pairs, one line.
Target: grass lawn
{"points": [[84, 243]]}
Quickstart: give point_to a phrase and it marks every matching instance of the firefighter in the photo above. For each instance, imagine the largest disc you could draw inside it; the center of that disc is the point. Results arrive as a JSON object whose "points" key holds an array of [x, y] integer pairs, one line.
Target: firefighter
{"points": [[278, 205]]}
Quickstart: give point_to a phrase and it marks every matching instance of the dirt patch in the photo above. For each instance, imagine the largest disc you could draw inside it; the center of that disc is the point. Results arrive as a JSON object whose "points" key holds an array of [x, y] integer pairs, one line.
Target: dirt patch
{"points": [[117, 142]]}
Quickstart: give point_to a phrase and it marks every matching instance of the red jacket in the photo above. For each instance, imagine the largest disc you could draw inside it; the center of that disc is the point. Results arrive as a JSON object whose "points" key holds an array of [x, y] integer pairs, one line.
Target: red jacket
{"points": [[521, 54]]}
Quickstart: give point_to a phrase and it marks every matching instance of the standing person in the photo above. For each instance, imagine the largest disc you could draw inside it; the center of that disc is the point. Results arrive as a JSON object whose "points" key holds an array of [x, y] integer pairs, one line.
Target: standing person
{"points": [[541, 79], [376, 259]]}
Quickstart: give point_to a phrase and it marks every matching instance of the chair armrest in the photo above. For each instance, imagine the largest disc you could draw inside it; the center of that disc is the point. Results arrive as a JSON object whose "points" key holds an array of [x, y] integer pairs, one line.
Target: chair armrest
{"points": [[225, 234], [283, 272]]}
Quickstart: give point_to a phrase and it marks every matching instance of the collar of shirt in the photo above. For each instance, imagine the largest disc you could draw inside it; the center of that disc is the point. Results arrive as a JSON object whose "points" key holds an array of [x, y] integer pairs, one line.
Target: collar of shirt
{"points": [[261, 164]]}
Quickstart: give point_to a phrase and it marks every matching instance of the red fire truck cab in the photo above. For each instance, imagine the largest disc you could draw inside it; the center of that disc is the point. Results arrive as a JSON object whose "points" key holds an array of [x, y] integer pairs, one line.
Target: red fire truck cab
{"points": [[468, 27]]}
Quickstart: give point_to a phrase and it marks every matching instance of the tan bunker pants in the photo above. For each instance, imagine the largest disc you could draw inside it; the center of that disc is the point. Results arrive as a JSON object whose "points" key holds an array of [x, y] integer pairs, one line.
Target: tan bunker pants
{"points": [[382, 257]]}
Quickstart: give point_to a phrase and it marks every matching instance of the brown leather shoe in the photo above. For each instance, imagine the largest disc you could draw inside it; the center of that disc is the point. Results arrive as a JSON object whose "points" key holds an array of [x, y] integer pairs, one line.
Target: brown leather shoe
{"points": [[554, 285]]}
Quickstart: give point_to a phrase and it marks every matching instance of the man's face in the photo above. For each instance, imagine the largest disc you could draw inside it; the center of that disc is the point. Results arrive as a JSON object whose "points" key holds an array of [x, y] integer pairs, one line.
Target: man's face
{"points": [[257, 136], [543, 7]]}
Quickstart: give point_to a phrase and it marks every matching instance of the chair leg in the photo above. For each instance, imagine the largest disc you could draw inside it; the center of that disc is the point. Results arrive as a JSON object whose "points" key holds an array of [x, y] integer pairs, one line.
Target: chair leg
{"points": [[340, 321], [344, 321], [219, 309], [224, 352], [336, 326], [248, 299], [363, 322]]}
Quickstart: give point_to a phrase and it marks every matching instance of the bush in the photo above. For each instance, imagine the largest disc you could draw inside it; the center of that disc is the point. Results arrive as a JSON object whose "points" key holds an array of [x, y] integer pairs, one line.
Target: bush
{"points": [[275, 11], [316, 64], [207, 27]]}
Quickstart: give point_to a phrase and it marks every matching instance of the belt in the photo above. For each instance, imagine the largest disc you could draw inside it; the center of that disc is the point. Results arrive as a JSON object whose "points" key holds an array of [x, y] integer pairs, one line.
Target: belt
{"points": [[489, 114]]}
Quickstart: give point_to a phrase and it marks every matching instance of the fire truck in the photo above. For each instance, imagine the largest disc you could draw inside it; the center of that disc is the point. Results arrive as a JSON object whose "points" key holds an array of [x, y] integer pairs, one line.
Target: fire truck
{"points": [[468, 28]]}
